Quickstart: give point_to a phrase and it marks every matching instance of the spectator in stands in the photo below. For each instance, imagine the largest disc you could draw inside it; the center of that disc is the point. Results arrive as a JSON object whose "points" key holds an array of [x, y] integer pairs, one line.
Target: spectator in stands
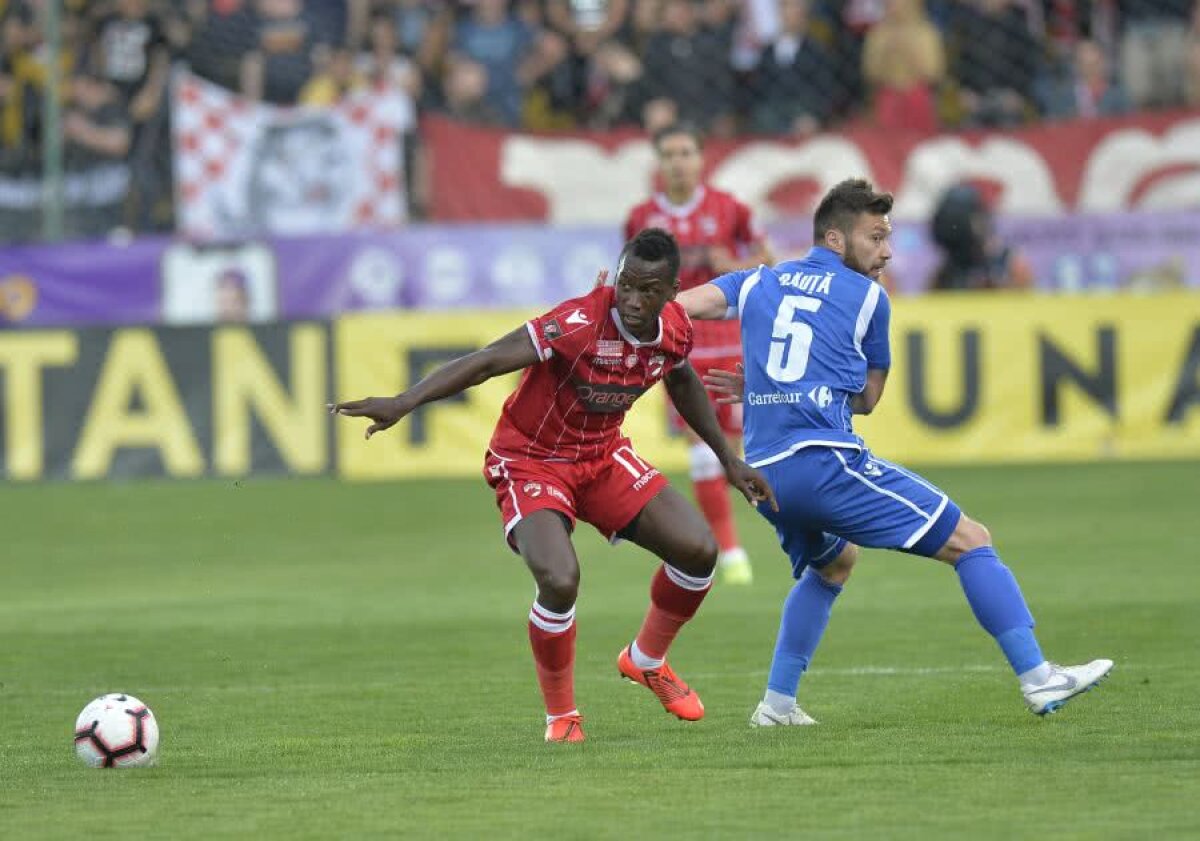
{"points": [[423, 29], [21, 76], [691, 65], [791, 87], [996, 59], [974, 256], [580, 82], [131, 48], [336, 80], [1154, 48], [281, 62], [903, 63], [96, 132], [222, 33], [616, 89], [464, 93], [513, 55], [1088, 90], [132, 52], [645, 21], [382, 65]]}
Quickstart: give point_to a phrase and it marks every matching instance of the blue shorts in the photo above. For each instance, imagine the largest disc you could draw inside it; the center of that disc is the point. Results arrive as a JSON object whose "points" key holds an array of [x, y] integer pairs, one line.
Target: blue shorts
{"points": [[829, 496]]}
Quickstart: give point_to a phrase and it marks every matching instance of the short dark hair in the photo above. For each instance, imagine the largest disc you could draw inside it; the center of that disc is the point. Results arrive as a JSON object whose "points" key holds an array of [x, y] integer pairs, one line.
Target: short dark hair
{"points": [[678, 128], [842, 205], [653, 245]]}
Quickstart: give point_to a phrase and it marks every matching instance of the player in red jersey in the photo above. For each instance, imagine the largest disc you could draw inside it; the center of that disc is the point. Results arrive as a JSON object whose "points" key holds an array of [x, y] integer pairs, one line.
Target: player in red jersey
{"points": [[716, 235], [558, 455]]}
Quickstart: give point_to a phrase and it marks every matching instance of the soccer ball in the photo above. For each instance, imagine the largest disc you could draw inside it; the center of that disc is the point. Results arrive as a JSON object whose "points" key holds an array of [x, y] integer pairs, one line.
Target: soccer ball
{"points": [[116, 731]]}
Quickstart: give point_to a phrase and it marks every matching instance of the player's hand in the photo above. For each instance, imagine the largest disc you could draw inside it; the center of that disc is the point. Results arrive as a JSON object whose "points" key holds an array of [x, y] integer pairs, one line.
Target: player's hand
{"points": [[384, 411], [601, 278], [729, 385], [751, 483]]}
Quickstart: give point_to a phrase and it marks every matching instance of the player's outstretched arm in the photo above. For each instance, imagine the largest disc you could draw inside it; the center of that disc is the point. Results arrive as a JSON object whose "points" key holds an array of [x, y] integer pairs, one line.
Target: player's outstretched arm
{"points": [[687, 393], [705, 302], [509, 353]]}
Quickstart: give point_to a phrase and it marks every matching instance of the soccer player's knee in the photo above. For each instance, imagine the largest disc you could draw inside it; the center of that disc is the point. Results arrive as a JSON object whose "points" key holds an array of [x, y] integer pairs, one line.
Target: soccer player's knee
{"points": [[838, 572], [975, 535], [698, 555], [559, 588]]}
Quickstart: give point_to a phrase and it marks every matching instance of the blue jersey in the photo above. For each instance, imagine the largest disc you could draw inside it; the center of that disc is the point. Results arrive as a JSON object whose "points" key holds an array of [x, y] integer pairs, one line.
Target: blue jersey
{"points": [[810, 330]]}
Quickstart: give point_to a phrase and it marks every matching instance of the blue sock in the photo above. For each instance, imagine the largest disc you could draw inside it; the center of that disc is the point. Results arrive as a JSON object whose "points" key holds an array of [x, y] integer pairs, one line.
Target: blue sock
{"points": [[805, 615], [997, 603]]}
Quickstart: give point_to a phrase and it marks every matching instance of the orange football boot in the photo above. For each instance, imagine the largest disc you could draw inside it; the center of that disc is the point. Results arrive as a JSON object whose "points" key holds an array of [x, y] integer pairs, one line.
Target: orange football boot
{"points": [[676, 696], [565, 728]]}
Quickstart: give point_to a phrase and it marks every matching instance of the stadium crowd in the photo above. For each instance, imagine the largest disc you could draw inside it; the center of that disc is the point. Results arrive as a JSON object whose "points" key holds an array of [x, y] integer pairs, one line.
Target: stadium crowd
{"points": [[783, 67]]}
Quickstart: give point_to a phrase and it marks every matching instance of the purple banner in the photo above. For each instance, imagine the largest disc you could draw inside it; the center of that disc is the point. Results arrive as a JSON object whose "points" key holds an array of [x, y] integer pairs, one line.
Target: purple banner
{"points": [[156, 281]]}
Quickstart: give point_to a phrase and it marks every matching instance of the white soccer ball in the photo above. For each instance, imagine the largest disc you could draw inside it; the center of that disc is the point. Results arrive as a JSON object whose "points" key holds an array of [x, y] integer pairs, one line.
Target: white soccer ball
{"points": [[116, 731]]}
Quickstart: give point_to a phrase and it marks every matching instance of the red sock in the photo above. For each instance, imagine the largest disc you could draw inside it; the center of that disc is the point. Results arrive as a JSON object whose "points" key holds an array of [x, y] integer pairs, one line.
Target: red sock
{"points": [[674, 599], [713, 498], [552, 637]]}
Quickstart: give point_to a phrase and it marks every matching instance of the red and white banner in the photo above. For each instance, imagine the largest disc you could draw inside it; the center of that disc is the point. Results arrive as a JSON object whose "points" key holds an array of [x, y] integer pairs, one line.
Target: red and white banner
{"points": [[245, 167], [1145, 163]]}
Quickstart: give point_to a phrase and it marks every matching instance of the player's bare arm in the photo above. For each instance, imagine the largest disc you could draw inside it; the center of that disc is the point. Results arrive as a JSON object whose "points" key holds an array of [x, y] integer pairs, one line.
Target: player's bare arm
{"points": [[509, 353], [688, 394], [704, 303], [866, 400]]}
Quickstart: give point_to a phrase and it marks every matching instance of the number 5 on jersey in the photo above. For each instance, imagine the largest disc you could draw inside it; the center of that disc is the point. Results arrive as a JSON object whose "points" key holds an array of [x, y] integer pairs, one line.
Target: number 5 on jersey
{"points": [[791, 340]]}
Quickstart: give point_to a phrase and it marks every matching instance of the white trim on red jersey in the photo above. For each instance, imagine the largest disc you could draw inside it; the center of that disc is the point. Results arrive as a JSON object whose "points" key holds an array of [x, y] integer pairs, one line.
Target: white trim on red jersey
{"points": [[629, 337], [680, 210]]}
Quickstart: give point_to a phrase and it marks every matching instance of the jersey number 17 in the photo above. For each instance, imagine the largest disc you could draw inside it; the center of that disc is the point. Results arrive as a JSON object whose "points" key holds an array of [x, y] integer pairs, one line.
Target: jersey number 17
{"points": [[791, 340]]}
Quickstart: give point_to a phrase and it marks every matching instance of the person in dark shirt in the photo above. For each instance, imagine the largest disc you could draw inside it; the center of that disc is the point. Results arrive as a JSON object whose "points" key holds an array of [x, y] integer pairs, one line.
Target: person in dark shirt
{"points": [[792, 85]]}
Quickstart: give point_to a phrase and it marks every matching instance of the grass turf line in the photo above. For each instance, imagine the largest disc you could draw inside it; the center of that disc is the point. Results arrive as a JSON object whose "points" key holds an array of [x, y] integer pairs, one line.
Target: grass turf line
{"points": [[333, 660]]}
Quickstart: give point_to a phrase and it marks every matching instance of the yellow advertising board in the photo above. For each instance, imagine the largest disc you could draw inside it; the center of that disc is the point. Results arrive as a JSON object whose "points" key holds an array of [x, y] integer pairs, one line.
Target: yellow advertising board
{"points": [[975, 378]]}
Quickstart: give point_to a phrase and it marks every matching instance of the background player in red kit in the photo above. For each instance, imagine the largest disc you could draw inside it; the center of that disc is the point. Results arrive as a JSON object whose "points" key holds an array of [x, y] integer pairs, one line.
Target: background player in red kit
{"points": [[558, 454], [716, 235]]}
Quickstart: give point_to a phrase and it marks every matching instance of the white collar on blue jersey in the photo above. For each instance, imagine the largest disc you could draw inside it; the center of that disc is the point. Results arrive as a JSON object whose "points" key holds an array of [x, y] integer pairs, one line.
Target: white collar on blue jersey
{"points": [[629, 337]]}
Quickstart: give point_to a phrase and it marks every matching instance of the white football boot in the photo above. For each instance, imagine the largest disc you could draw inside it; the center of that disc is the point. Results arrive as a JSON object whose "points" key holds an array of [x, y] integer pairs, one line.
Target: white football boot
{"points": [[735, 566], [764, 716], [1065, 683]]}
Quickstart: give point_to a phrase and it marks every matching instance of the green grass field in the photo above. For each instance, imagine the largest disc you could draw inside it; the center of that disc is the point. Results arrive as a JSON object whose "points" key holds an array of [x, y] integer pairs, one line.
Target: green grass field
{"points": [[334, 660]]}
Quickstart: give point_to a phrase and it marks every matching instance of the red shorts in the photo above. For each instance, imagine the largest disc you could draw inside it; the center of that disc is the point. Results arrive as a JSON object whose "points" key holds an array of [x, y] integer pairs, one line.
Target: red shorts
{"points": [[729, 415], [607, 492]]}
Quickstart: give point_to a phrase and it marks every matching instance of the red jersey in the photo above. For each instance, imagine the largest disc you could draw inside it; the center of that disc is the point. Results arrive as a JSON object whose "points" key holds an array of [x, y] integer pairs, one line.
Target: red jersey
{"points": [[710, 218], [570, 405]]}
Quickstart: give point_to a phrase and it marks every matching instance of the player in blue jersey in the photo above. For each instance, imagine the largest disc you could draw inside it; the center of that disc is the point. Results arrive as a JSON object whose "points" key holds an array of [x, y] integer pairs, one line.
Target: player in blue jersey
{"points": [[816, 351]]}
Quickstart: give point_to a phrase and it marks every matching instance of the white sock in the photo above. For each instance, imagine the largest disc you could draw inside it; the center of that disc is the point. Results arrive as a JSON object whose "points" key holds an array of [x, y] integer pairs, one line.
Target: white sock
{"points": [[550, 718], [1037, 675], [643, 660], [780, 703]]}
